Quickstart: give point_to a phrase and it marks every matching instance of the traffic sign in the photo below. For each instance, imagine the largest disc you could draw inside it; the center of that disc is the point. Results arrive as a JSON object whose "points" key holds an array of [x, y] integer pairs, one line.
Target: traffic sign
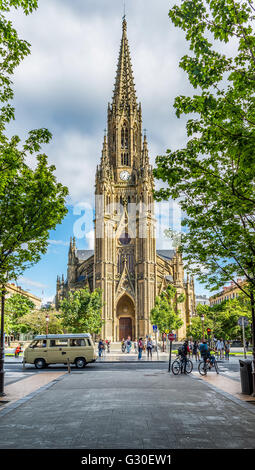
{"points": [[171, 336], [154, 327], [243, 320]]}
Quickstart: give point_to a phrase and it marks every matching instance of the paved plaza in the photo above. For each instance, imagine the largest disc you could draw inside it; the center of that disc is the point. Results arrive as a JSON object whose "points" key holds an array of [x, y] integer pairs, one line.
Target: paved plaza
{"points": [[139, 406]]}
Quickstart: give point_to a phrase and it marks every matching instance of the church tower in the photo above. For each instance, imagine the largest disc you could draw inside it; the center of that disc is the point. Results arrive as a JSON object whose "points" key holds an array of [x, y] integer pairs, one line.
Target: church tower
{"points": [[124, 263], [125, 247]]}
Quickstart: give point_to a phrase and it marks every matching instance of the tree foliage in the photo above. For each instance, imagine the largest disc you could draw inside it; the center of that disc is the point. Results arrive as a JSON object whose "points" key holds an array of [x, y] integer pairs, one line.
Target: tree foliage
{"points": [[213, 175], [165, 312], [16, 307], [32, 202], [81, 311], [35, 322], [222, 319]]}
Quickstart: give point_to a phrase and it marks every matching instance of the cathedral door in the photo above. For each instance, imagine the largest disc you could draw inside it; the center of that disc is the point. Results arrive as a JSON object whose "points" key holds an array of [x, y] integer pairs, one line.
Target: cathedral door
{"points": [[125, 328]]}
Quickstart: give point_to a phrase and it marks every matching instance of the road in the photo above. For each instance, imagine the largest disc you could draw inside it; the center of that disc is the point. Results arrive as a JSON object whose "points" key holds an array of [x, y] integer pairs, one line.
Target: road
{"points": [[14, 372]]}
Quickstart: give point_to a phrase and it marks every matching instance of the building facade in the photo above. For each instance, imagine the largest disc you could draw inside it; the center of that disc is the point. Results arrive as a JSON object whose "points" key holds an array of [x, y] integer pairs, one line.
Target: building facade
{"points": [[125, 263], [12, 289], [227, 293]]}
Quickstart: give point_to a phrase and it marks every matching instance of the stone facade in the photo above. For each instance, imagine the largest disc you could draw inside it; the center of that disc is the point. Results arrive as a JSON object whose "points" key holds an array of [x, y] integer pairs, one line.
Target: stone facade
{"points": [[125, 263]]}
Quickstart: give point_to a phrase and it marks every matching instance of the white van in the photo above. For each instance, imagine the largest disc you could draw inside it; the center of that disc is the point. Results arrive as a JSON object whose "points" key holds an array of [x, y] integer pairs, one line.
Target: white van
{"points": [[79, 349]]}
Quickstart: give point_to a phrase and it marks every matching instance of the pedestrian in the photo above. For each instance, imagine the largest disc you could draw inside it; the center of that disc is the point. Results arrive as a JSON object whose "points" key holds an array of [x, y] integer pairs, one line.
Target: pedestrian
{"points": [[128, 344], [195, 351], [123, 345], [149, 347], [100, 347], [227, 350], [190, 348], [140, 348], [135, 346], [220, 347], [18, 350]]}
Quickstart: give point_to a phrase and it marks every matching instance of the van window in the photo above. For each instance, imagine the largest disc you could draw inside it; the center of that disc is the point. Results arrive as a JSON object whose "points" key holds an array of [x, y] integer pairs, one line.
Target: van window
{"points": [[41, 343], [77, 342], [58, 342]]}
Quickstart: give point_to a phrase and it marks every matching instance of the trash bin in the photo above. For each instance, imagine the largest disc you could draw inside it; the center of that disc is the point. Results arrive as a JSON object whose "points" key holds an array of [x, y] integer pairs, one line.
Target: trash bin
{"points": [[246, 376]]}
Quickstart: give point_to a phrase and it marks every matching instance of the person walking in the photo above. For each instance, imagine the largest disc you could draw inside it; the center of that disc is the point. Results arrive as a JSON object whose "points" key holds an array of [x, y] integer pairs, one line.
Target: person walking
{"points": [[140, 348], [100, 347], [135, 346], [149, 347]]}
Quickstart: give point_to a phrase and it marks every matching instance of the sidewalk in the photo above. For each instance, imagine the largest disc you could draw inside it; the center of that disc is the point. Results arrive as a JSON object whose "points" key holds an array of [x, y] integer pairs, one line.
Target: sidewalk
{"points": [[129, 408]]}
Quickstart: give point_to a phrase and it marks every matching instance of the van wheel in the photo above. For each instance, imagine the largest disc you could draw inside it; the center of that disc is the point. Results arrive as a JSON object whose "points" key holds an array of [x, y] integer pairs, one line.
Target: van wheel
{"points": [[80, 362], [40, 363]]}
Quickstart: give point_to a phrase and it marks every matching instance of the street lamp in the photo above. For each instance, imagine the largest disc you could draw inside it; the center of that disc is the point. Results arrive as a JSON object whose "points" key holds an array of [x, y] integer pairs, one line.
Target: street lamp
{"points": [[47, 323], [203, 319]]}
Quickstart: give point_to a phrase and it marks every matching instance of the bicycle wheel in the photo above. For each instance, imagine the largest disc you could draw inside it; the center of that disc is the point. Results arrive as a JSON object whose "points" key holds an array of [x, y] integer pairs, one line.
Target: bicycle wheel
{"points": [[176, 367], [189, 366], [202, 368], [216, 367]]}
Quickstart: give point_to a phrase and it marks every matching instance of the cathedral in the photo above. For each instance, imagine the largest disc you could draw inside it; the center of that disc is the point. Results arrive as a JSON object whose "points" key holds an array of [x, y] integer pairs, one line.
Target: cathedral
{"points": [[125, 264]]}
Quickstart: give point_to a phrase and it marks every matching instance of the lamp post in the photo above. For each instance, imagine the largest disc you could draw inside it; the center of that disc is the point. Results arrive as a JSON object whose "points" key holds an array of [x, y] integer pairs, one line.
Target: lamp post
{"points": [[203, 333], [2, 394], [47, 323]]}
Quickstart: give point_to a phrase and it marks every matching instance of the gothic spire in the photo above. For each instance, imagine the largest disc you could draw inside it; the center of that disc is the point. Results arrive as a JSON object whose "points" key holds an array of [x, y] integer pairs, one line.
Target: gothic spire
{"points": [[124, 90]]}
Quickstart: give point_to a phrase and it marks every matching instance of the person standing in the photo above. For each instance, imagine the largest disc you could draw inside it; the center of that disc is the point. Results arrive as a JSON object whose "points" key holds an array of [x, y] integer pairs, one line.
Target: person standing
{"points": [[140, 348], [123, 345], [128, 344], [227, 350], [195, 351], [149, 347]]}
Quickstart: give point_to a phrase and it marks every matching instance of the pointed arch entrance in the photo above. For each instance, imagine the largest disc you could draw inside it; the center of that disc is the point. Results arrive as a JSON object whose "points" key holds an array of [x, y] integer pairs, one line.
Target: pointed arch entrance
{"points": [[125, 312]]}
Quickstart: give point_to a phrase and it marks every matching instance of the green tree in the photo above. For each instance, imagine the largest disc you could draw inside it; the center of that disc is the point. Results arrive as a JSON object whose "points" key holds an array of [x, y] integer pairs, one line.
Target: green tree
{"points": [[165, 313], [16, 307], [222, 319], [32, 202], [213, 176], [81, 311], [35, 322]]}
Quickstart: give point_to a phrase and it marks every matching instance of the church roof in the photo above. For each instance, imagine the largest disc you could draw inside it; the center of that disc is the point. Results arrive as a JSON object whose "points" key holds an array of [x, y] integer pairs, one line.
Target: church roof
{"points": [[168, 255], [124, 90], [84, 254]]}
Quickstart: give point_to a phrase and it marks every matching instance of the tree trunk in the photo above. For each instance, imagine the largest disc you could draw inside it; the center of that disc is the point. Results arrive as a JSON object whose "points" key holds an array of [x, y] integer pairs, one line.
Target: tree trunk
{"points": [[253, 339]]}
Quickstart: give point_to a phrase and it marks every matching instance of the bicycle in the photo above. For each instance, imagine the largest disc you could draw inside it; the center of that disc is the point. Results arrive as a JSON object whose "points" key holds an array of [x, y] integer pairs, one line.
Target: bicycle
{"points": [[178, 366], [205, 365]]}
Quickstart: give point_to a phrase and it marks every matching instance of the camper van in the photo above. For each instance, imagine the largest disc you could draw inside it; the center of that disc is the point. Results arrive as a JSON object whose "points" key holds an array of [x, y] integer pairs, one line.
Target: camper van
{"points": [[77, 349]]}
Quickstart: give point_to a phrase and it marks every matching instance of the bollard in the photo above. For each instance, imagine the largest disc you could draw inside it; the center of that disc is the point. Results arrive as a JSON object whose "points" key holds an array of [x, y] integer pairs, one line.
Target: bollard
{"points": [[23, 364], [68, 366]]}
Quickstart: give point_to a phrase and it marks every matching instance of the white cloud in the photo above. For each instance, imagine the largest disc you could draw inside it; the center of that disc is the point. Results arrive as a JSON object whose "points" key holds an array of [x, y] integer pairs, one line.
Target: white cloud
{"points": [[31, 283], [58, 242]]}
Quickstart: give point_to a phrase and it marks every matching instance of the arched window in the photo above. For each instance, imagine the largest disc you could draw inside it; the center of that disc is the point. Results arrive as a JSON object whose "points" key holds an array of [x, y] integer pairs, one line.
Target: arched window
{"points": [[124, 137]]}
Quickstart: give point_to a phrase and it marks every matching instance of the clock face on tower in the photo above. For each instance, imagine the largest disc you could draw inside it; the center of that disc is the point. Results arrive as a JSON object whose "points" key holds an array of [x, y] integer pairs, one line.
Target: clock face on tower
{"points": [[124, 175]]}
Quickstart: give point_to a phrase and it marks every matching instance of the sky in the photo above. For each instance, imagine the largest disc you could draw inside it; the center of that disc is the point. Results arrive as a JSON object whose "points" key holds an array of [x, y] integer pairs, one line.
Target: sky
{"points": [[65, 85]]}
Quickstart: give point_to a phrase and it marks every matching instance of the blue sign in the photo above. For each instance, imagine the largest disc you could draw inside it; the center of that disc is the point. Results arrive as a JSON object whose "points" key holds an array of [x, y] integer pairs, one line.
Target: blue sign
{"points": [[154, 327]]}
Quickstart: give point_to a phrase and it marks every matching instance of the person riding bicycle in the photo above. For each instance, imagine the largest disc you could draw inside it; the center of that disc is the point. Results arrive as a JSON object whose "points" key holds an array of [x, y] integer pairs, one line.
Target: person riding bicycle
{"points": [[205, 352], [184, 350]]}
